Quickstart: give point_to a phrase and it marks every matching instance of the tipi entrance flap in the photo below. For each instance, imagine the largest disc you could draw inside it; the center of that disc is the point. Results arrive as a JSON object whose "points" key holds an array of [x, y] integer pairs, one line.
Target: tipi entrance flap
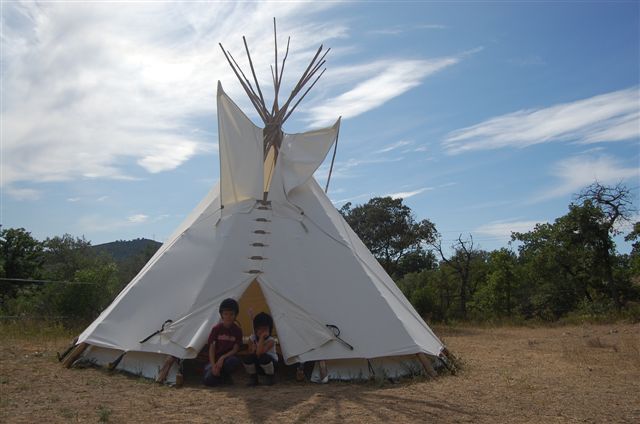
{"points": [[241, 153], [192, 330], [298, 331]]}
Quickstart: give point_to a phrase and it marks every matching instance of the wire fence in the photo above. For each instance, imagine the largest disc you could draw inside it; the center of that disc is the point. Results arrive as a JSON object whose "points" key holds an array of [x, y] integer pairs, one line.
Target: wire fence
{"points": [[25, 281]]}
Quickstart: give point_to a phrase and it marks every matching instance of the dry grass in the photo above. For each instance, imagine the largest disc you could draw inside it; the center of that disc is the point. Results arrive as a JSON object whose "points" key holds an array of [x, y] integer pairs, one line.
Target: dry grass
{"points": [[567, 374]]}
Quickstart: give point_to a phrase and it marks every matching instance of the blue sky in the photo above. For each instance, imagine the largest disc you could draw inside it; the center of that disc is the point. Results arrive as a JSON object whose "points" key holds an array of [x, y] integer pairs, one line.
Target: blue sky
{"points": [[485, 116]]}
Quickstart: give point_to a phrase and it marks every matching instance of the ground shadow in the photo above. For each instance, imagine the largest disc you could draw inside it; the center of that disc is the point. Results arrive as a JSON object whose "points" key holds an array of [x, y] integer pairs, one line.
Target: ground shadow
{"points": [[302, 402]]}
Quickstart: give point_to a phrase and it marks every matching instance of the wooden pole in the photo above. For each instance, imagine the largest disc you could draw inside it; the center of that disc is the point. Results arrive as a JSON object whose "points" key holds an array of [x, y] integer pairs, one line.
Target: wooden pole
{"points": [[333, 158], [302, 97], [75, 354], [286, 53], [69, 348], [252, 70], [449, 361], [323, 371], [426, 364], [166, 367]]}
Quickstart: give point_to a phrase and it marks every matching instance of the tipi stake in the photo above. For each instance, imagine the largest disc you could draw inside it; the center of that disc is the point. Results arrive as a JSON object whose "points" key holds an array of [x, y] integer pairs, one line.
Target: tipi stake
{"points": [[324, 375], [426, 364], [164, 371], [73, 355]]}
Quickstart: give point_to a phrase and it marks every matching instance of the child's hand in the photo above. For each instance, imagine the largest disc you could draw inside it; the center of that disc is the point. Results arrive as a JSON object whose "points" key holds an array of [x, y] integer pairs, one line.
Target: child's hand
{"points": [[215, 370], [217, 367]]}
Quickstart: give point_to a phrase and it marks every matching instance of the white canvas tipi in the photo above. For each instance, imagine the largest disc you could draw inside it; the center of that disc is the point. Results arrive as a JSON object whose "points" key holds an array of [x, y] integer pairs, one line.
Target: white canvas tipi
{"points": [[292, 254]]}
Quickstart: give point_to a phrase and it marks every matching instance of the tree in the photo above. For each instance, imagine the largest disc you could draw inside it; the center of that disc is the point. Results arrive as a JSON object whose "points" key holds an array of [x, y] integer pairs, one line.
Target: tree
{"points": [[20, 257], [64, 255], [82, 282], [497, 295], [634, 236], [460, 263], [21, 254], [431, 292], [573, 261], [388, 228], [616, 206], [558, 261]]}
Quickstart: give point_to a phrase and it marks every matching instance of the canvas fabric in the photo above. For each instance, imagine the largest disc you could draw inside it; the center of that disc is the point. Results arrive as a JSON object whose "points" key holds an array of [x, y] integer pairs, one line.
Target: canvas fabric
{"points": [[312, 269]]}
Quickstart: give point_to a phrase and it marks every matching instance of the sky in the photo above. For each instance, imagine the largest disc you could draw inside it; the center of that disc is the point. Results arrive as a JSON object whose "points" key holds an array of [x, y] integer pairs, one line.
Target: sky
{"points": [[485, 117]]}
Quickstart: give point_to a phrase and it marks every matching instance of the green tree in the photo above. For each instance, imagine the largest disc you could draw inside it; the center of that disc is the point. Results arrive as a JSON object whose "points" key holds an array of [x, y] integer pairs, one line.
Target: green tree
{"points": [[498, 295], [389, 229], [460, 263], [431, 292], [64, 255], [616, 206], [83, 282], [21, 257], [21, 254], [634, 256], [558, 264], [573, 261]]}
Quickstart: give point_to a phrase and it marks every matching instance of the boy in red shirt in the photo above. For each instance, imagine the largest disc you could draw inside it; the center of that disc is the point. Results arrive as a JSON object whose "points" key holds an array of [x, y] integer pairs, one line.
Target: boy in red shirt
{"points": [[224, 342]]}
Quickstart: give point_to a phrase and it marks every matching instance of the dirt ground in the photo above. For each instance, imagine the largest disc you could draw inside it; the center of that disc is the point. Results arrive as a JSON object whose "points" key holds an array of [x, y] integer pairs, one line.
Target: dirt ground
{"points": [[511, 374]]}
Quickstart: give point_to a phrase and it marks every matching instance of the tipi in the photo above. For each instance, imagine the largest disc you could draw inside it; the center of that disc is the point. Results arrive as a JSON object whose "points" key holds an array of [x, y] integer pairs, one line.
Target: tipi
{"points": [[268, 236]]}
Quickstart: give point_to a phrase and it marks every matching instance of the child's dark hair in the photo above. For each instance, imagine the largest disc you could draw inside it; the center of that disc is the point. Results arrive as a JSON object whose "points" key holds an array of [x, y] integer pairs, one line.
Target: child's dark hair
{"points": [[263, 320], [229, 305]]}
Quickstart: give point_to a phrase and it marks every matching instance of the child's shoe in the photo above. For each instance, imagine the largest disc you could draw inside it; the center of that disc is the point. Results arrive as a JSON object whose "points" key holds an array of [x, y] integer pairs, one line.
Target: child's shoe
{"points": [[269, 380]]}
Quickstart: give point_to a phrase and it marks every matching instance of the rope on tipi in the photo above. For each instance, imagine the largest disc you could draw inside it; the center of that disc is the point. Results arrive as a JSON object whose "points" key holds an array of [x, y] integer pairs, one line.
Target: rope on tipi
{"points": [[333, 158]]}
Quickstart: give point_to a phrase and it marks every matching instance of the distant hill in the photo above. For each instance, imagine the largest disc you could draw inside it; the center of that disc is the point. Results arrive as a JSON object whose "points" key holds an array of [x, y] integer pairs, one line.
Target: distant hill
{"points": [[123, 250]]}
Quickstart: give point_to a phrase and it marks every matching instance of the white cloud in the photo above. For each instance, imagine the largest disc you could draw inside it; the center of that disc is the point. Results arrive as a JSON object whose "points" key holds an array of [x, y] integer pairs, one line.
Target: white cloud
{"points": [[349, 199], [407, 194], [578, 172], [608, 117], [397, 30], [89, 89], [449, 184], [73, 199], [100, 223], [503, 229], [26, 194], [384, 81], [394, 146], [138, 218], [168, 156]]}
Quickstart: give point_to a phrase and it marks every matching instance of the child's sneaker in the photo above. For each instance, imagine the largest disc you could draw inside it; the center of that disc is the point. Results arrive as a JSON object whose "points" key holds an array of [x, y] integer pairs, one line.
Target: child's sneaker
{"points": [[253, 380]]}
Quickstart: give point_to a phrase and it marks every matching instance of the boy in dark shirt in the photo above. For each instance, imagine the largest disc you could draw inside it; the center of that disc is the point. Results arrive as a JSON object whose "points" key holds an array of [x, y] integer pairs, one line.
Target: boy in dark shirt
{"points": [[224, 342]]}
